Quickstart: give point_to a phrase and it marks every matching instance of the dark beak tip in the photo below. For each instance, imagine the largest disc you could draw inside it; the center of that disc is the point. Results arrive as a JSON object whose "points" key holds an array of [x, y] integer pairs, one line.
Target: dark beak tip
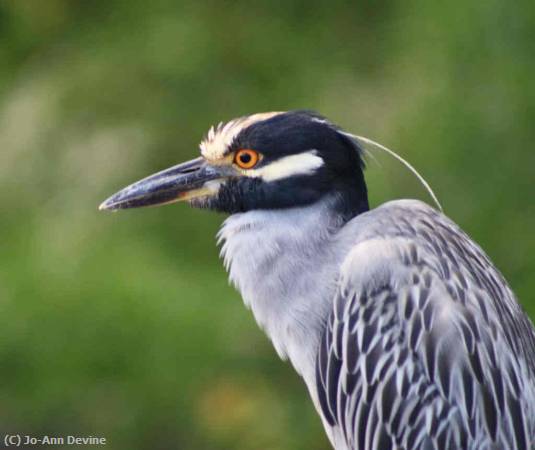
{"points": [[104, 207], [110, 204]]}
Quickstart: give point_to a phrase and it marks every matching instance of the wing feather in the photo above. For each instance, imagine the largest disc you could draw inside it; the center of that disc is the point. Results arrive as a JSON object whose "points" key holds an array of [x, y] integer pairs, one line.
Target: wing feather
{"points": [[426, 347]]}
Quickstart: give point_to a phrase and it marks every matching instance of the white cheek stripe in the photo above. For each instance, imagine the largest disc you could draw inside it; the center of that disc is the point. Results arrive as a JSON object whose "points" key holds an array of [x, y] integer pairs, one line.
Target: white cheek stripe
{"points": [[300, 164]]}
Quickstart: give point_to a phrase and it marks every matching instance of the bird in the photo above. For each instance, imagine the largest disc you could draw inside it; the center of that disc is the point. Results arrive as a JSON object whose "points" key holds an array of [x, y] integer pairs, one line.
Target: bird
{"points": [[402, 329]]}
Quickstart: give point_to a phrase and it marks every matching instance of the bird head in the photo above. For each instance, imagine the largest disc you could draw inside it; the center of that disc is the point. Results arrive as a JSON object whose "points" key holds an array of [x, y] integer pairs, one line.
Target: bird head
{"points": [[271, 160]]}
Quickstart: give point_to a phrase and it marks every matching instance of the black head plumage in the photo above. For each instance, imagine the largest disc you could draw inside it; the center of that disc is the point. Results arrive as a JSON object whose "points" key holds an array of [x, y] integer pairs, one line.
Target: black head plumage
{"points": [[292, 133]]}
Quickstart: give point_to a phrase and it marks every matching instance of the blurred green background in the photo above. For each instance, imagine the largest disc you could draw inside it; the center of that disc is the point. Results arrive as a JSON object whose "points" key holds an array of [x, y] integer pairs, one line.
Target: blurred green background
{"points": [[123, 325]]}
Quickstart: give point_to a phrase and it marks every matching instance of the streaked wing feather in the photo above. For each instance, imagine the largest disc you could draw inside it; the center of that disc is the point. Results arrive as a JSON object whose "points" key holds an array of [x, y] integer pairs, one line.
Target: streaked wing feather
{"points": [[426, 347]]}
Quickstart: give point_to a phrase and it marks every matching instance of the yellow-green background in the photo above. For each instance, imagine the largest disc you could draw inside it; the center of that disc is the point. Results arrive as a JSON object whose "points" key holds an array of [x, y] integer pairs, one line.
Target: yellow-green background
{"points": [[123, 325]]}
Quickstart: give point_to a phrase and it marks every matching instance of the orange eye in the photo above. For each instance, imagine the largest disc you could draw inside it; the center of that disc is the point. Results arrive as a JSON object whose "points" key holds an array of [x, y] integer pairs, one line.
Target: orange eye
{"points": [[246, 158]]}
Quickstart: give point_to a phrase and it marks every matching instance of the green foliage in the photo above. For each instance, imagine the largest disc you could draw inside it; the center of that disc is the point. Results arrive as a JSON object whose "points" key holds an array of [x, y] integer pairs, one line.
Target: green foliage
{"points": [[123, 325]]}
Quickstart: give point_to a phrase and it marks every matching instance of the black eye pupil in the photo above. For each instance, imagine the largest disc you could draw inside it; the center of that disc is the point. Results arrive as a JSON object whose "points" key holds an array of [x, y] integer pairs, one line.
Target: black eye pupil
{"points": [[245, 158]]}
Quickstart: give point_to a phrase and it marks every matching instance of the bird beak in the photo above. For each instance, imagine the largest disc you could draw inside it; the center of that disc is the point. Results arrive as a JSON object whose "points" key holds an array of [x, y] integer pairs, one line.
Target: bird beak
{"points": [[186, 181]]}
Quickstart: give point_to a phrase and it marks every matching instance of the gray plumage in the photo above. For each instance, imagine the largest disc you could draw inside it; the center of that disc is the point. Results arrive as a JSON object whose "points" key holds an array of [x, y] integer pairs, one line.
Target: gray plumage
{"points": [[422, 344]]}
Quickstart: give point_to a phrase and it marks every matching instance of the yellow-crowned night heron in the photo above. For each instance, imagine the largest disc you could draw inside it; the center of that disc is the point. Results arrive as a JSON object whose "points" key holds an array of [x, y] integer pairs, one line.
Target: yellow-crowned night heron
{"points": [[404, 332]]}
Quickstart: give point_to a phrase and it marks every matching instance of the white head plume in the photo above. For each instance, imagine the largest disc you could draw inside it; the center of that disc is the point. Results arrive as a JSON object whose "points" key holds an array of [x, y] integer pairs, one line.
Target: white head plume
{"points": [[366, 141]]}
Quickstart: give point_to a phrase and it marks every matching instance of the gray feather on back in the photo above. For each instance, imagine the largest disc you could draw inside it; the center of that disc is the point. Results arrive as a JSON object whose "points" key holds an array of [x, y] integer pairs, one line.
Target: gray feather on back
{"points": [[426, 346]]}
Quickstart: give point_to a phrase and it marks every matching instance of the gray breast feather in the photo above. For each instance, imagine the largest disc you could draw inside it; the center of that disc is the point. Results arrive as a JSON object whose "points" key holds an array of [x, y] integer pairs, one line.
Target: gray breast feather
{"points": [[426, 346]]}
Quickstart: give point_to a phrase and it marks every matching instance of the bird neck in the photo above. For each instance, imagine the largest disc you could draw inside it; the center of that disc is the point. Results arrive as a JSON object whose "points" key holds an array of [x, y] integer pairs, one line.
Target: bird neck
{"points": [[285, 266], [351, 198]]}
